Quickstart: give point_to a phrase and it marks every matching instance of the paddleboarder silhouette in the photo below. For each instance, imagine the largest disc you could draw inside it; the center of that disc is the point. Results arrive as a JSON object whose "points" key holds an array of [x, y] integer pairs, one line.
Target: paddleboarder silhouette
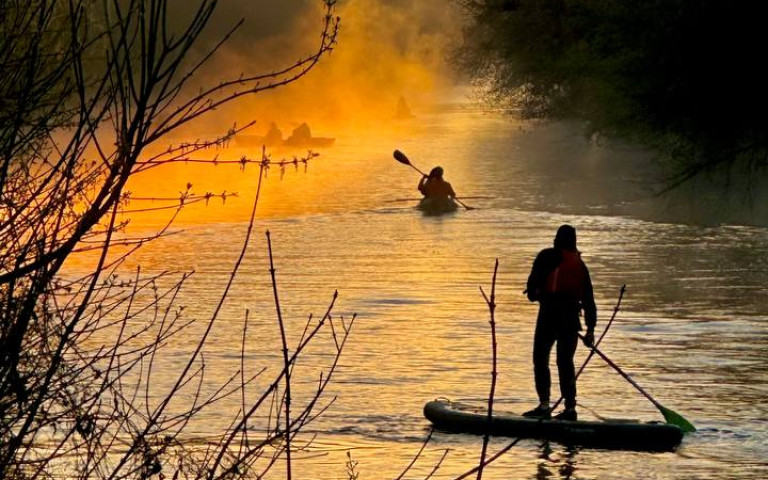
{"points": [[560, 282]]}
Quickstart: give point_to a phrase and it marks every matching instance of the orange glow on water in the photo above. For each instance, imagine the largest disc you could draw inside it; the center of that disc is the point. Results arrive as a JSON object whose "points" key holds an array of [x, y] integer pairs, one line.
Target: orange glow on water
{"points": [[383, 54]]}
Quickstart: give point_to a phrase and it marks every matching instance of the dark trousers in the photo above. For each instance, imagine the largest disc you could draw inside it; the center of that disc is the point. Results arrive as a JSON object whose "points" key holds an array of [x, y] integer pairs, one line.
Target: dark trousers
{"points": [[547, 334]]}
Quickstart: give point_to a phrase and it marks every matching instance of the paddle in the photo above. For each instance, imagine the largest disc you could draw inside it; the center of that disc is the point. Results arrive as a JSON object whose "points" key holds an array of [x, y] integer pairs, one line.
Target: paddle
{"points": [[607, 326], [596, 344], [670, 416], [400, 157]]}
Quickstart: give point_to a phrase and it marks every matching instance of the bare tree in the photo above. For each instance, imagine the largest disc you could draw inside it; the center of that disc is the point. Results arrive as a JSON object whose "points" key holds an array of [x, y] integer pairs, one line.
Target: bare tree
{"points": [[87, 87]]}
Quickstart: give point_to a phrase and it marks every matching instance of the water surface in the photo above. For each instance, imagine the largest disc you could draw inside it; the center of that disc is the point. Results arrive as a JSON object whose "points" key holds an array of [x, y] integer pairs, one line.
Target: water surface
{"points": [[693, 328]]}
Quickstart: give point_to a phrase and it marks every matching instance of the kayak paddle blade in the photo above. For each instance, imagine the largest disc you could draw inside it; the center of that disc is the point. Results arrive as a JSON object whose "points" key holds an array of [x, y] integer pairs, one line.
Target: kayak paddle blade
{"points": [[400, 157], [674, 418]]}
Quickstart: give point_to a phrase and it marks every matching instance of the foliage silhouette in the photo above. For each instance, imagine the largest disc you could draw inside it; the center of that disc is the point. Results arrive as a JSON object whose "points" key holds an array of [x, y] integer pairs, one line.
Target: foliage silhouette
{"points": [[681, 77]]}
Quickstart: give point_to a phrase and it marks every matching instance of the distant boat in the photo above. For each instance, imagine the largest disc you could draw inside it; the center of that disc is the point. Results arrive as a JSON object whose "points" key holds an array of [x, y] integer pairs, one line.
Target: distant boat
{"points": [[300, 137], [403, 111]]}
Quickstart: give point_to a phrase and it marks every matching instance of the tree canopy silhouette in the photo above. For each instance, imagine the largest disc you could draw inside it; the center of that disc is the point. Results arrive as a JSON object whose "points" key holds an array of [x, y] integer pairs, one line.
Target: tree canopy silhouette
{"points": [[680, 76]]}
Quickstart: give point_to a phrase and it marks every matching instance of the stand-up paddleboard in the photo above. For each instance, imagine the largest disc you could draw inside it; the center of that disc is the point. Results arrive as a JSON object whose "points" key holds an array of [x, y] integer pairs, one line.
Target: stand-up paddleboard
{"points": [[610, 434]]}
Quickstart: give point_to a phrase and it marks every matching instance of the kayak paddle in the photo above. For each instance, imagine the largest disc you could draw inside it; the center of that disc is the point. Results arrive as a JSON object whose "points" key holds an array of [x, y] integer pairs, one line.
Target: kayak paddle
{"points": [[670, 416], [400, 157]]}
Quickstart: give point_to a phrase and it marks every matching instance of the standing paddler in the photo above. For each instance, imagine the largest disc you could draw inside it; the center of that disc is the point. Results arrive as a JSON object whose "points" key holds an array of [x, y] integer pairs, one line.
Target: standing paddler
{"points": [[560, 282]]}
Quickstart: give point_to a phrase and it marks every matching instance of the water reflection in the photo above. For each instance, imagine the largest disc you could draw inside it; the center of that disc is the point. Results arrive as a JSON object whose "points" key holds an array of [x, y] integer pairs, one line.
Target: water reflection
{"points": [[557, 462], [693, 329]]}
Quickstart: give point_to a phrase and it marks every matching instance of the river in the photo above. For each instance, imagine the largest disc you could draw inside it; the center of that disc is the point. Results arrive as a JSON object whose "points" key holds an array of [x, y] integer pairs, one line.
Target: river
{"points": [[692, 329]]}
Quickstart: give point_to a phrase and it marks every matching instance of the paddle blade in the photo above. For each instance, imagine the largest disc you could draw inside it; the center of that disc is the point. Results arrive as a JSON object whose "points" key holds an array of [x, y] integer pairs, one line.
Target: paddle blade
{"points": [[400, 157], [674, 418]]}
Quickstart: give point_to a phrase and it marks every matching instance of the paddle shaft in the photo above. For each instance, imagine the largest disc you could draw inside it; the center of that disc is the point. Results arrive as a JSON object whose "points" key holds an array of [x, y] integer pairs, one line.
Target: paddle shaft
{"points": [[592, 351], [607, 326], [626, 377], [415, 168], [467, 207]]}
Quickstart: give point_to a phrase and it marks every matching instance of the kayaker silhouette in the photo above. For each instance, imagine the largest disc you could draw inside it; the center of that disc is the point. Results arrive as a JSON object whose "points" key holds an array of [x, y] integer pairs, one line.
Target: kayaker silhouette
{"points": [[435, 186], [560, 282]]}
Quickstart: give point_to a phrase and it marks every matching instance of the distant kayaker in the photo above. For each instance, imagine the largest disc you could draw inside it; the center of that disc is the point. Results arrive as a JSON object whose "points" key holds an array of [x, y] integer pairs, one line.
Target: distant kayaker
{"points": [[560, 282], [434, 186]]}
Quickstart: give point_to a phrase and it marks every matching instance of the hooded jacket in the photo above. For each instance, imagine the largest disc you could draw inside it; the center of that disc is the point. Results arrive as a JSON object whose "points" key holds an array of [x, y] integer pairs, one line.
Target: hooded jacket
{"points": [[560, 282]]}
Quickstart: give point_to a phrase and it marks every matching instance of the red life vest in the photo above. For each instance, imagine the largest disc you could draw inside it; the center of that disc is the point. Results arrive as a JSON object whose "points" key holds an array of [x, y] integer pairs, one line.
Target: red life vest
{"points": [[569, 276]]}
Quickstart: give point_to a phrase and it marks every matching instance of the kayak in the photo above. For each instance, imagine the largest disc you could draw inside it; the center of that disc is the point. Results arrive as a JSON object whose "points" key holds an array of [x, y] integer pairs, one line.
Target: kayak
{"points": [[610, 434], [437, 205]]}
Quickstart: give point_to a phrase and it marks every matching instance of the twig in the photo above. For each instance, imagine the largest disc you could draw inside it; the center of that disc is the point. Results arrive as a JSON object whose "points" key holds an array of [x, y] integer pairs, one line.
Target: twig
{"points": [[287, 365], [418, 454], [491, 302], [242, 376], [437, 465]]}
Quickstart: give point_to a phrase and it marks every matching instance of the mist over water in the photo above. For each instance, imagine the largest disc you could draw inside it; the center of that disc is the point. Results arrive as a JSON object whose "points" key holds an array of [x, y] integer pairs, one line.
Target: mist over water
{"points": [[386, 50], [693, 329]]}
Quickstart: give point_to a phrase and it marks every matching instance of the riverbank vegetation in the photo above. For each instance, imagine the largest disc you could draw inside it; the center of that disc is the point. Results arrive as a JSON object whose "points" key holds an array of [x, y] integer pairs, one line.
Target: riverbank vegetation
{"points": [[680, 77]]}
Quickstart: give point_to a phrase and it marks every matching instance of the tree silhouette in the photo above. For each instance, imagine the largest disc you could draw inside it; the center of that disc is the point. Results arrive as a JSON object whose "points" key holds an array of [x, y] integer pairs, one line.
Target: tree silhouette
{"points": [[682, 77]]}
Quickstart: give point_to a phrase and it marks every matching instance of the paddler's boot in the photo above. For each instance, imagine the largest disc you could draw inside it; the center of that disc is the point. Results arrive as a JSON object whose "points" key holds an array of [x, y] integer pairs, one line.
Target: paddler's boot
{"points": [[539, 412], [567, 414]]}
